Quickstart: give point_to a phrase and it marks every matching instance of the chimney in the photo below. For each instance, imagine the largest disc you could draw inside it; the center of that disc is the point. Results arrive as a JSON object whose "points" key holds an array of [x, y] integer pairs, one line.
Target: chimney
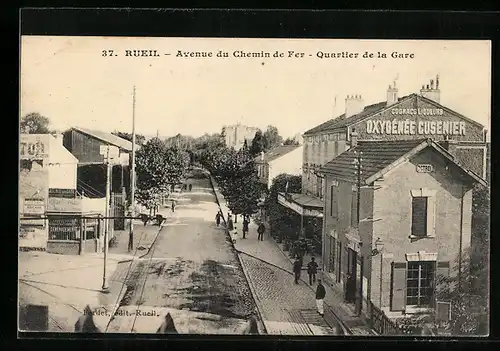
{"points": [[354, 104], [392, 95], [430, 92], [353, 138]]}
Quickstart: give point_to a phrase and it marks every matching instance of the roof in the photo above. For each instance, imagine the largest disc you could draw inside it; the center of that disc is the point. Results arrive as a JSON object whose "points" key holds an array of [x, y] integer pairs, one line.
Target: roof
{"points": [[277, 152], [342, 122], [305, 200], [107, 138], [379, 157]]}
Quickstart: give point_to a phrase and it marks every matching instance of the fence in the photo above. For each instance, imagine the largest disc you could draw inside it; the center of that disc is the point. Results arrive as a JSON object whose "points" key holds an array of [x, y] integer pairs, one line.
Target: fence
{"points": [[381, 323]]}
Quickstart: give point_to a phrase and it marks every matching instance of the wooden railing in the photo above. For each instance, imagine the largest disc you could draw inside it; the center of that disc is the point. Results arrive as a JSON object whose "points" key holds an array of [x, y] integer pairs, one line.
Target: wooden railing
{"points": [[381, 323]]}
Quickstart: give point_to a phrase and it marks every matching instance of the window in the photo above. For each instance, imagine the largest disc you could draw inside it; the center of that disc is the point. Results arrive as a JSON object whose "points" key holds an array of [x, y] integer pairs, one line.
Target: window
{"points": [[420, 283], [333, 201], [423, 207], [354, 207], [419, 216]]}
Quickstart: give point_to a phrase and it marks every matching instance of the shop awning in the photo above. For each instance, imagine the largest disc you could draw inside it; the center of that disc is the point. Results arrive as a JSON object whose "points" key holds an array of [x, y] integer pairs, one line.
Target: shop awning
{"points": [[303, 204]]}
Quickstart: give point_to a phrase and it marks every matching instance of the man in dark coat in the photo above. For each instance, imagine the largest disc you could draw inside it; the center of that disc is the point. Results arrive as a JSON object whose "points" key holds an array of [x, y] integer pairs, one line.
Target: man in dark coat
{"points": [[173, 206], [230, 225], [312, 269], [260, 230], [246, 222], [297, 268], [320, 296], [217, 218]]}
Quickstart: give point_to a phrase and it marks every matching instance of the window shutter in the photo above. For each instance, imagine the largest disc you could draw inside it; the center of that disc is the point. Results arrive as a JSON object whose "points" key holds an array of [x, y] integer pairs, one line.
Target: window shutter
{"points": [[334, 202], [431, 216], [442, 272], [443, 311], [398, 298]]}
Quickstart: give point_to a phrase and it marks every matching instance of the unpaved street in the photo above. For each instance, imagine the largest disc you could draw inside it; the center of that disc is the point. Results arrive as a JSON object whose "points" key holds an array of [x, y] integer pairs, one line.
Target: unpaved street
{"points": [[191, 271]]}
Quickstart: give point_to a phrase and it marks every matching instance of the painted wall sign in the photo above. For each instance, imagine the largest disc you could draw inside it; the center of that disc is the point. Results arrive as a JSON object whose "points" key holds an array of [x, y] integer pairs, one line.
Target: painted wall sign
{"points": [[425, 168], [34, 207], [62, 193], [413, 127], [33, 147], [64, 205], [418, 111]]}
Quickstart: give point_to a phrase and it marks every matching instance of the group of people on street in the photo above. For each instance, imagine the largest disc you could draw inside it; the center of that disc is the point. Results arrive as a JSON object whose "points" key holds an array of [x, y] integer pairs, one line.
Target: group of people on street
{"points": [[312, 270], [246, 223]]}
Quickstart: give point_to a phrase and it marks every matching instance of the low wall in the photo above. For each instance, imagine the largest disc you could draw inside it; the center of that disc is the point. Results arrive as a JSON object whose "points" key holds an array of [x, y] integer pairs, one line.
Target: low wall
{"points": [[221, 202], [63, 247]]}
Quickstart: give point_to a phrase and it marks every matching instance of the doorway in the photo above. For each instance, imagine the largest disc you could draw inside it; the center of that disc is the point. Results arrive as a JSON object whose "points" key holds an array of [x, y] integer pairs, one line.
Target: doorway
{"points": [[350, 291]]}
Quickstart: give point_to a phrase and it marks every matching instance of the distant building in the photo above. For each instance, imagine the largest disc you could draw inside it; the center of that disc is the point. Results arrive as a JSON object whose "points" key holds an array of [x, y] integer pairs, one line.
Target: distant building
{"points": [[282, 159], [85, 145], [236, 135]]}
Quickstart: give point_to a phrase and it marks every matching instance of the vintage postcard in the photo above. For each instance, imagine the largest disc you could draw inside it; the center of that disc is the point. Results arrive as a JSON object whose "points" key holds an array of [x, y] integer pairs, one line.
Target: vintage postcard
{"points": [[254, 186]]}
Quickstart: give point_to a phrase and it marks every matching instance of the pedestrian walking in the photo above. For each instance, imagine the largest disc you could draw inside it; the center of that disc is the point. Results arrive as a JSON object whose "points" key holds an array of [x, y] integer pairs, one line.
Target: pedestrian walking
{"points": [[320, 296], [312, 269], [190, 186], [297, 268], [173, 206], [217, 218], [230, 225], [260, 230], [246, 222]]}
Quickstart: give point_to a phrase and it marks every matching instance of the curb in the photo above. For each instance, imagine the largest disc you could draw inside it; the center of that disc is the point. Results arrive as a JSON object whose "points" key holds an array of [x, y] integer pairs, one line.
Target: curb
{"points": [[346, 330], [262, 323]]}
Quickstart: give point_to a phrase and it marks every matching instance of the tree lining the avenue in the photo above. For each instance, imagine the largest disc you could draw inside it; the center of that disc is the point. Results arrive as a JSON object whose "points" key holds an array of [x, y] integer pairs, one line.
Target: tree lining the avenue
{"points": [[158, 167], [236, 175], [283, 222], [265, 141]]}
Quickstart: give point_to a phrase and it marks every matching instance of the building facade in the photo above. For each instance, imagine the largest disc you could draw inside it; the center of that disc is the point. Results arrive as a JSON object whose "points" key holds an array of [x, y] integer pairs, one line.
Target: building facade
{"points": [[236, 135], [392, 229], [50, 204], [86, 146]]}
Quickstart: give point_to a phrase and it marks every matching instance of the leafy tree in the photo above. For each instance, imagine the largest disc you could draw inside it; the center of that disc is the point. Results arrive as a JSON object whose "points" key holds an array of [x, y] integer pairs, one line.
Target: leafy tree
{"points": [[257, 145], [236, 176], [272, 138], [283, 221], [290, 141], [34, 123], [139, 138], [157, 167]]}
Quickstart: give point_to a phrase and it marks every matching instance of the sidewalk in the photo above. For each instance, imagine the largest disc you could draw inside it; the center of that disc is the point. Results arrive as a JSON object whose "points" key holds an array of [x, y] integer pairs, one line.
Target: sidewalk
{"points": [[273, 288], [66, 284]]}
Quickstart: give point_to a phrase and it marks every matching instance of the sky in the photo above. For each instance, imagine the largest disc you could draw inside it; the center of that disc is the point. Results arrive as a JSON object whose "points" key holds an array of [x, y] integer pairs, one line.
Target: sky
{"points": [[70, 81]]}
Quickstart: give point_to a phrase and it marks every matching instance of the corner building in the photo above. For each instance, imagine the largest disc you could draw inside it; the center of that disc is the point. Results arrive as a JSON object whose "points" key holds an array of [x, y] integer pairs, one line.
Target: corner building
{"points": [[412, 117], [398, 199]]}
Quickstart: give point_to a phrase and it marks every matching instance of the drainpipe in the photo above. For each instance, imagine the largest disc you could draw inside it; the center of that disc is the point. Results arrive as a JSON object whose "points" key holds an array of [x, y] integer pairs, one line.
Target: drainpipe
{"points": [[461, 239]]}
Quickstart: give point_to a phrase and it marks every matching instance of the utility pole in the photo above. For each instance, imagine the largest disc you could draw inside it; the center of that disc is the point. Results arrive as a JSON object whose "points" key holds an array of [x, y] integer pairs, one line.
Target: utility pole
{"points": [[358, 163], [358, 160], [132, 179], [105, 288]]}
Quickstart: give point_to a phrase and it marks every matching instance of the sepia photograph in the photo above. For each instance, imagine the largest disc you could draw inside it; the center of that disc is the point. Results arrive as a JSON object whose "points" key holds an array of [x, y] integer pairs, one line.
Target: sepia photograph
{"points": [[181, 185]]}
